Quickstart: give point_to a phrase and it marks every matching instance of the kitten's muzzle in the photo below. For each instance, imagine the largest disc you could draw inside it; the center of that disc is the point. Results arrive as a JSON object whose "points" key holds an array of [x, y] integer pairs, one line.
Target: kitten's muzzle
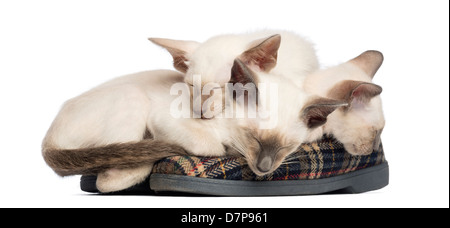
{"points": [[264, 164], [265, 160]]}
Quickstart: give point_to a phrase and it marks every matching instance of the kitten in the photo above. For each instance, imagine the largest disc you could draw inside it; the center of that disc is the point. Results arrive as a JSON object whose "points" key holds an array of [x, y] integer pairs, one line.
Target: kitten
{"points": [[106, 130], [298, 120], [114, 118], [282, 53], [359, 125]]}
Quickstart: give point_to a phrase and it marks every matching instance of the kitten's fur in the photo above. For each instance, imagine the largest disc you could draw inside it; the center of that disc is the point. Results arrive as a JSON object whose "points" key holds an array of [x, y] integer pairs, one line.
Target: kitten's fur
{"points": [[359, 125]]}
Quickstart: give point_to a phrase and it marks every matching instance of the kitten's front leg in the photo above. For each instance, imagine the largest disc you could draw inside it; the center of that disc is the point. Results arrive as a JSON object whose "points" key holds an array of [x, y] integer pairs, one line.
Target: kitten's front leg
{"points": [[114, 180], [198, 137]]}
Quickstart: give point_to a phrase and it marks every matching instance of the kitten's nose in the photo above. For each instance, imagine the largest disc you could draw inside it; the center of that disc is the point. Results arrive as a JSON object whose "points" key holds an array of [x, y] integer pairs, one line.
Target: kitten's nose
{"points": [[265, 164]]}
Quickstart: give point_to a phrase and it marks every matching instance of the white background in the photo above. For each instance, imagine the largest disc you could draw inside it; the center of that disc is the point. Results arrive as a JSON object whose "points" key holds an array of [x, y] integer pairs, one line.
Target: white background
{"points": [[51, 51]]}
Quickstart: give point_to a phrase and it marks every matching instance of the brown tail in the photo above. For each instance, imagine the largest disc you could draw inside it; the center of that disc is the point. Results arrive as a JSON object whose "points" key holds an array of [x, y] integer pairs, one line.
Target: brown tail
{"points": [[95, 160]]}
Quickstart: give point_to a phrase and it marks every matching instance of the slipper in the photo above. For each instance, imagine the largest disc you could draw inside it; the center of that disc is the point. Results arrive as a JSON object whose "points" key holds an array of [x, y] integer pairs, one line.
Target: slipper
{"points": [[320, 167]]}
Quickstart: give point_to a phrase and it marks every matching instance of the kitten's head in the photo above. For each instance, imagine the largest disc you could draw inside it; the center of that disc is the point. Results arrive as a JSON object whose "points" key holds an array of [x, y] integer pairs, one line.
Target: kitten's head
{"points": [[294, 118], [359, 125], [211, 62]]}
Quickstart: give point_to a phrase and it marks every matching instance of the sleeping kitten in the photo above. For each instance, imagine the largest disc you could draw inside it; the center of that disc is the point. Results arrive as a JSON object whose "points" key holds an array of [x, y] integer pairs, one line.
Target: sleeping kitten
{"points": [[114, 118], [359, 125], [106, 130], [298, 120], [282, 53]]}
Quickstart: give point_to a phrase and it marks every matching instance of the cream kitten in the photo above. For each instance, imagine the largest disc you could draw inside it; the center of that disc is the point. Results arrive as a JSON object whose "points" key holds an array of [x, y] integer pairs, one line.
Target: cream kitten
{"points": [[106, 126], [295, 119], [359, 125], [106, 130], [282, 53]]}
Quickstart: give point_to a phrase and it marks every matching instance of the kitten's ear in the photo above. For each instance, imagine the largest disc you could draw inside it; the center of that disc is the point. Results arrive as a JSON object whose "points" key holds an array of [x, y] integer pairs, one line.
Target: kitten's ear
{"points": [[264, 55], [355, 91], [179, 49], [317, 110], [369, 62], [240, 73]]}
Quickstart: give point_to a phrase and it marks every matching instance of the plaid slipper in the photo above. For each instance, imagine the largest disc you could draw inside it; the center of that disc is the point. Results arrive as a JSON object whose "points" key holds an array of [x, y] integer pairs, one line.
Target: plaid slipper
{"points": [[320, 167]]}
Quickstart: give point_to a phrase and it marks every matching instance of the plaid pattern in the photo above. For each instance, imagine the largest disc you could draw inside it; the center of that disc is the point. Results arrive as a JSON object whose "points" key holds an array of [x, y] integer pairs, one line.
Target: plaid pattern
{"points": [[324, 158]]}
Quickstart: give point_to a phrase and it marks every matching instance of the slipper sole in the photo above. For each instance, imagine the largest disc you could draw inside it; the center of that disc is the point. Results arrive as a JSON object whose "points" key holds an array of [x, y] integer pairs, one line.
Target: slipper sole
{"points": [[360, 181]]}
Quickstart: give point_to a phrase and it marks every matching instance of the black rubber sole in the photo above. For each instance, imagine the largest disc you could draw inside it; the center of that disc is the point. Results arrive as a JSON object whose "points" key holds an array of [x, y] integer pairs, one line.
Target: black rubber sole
{"points": [[364, 180], [360, 181]]}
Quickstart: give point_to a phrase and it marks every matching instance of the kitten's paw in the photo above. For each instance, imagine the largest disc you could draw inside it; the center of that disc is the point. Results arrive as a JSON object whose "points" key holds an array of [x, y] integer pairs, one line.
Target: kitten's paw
{"points": [[208, 149], [359, 149], [114, 180]]}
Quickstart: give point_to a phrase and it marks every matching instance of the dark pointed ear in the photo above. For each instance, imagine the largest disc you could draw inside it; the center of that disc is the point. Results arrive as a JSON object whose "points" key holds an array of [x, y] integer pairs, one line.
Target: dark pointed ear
{"points": [[354, 91], [369, 62], [240, 73], [264, 55], [317, 110], [179, 49]]}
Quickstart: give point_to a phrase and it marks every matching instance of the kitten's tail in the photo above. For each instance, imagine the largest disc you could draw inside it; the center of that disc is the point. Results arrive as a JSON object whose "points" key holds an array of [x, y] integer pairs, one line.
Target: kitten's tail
{"points": [[98, 159]]}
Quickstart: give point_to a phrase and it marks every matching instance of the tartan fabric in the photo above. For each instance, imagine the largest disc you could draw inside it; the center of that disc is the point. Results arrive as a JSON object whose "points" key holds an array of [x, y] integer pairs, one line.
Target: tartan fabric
{"points": [[324, 158]]}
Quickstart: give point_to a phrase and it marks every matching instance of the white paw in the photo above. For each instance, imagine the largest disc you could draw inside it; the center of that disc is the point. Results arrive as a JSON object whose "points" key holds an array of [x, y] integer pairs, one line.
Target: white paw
{"points": [[119, 179], [208, 149]]}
